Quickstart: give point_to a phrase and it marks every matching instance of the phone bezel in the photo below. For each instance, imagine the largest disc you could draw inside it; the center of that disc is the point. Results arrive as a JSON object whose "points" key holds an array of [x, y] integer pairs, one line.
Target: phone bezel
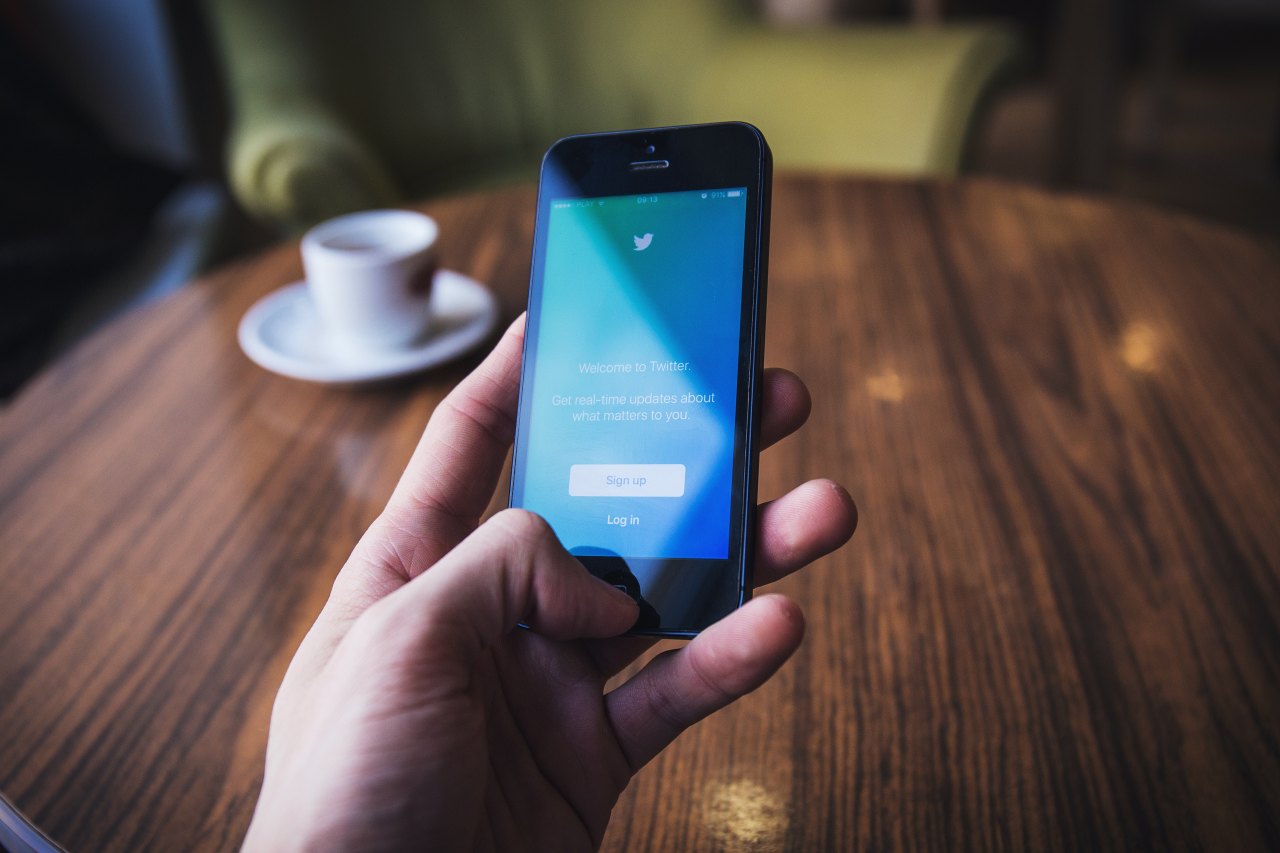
{"points": [[709, 156]]}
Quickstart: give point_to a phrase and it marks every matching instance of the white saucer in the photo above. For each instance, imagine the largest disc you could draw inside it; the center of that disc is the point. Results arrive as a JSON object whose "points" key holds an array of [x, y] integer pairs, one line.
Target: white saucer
{"points": [[282, 333]]}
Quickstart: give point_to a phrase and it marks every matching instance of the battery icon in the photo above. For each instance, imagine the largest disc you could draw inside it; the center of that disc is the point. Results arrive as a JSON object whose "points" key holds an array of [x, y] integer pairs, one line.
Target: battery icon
{"points": [[733, 193]]}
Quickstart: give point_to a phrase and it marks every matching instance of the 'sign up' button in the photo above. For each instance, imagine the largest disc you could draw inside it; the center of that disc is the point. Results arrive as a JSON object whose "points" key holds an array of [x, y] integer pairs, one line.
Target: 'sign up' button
{"points": [[626, 481]]}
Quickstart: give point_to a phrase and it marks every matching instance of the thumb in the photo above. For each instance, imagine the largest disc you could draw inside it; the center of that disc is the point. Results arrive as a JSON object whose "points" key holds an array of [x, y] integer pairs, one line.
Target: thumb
{"points": [[512, 570]]}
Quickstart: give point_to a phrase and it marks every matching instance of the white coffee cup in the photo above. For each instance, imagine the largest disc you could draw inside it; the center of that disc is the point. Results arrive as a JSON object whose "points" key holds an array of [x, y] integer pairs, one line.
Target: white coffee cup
{"points": [[369, 275]]}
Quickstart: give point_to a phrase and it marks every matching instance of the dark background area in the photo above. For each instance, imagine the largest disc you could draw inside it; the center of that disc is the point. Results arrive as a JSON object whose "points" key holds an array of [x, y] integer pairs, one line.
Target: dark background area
{"points": [[113, 119]]}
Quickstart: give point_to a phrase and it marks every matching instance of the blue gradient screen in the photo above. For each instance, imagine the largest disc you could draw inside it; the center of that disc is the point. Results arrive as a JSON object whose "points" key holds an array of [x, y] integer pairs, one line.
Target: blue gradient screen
{"points": [[631, 409]]}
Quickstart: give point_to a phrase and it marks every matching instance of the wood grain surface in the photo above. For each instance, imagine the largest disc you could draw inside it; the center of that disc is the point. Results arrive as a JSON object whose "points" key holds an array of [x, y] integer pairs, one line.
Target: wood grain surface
{"points": [[1057, 628]]}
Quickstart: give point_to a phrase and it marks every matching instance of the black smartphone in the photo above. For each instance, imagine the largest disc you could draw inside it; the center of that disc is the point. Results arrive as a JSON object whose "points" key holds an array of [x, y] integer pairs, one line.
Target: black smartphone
{"points": [[639, 409]]}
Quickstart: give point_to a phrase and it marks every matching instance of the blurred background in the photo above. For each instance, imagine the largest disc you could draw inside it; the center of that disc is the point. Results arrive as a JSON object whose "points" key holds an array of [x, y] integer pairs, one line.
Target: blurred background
{"points": [[148, 140]]}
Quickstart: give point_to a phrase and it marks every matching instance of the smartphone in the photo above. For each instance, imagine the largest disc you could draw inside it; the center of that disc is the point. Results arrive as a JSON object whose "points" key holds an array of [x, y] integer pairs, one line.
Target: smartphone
{"points": [[639, 412]]}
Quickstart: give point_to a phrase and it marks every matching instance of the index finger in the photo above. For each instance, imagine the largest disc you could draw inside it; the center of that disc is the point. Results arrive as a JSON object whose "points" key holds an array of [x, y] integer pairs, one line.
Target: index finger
{"points": [[451, 476]]}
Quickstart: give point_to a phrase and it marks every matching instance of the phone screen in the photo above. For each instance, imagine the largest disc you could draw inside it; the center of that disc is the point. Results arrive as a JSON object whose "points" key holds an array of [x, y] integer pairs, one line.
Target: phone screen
{"points": [[638, 394], [634, 388]]}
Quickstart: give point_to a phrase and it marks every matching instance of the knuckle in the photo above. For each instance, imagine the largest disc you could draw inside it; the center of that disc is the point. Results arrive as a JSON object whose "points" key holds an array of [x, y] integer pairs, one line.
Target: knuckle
{"points": [[370, 626], [529, 548], [523, 527], [703, 668]]}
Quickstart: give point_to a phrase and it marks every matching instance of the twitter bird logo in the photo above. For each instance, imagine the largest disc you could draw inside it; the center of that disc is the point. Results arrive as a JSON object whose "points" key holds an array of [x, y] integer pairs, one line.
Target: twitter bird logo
{"points": [[642, 243]]}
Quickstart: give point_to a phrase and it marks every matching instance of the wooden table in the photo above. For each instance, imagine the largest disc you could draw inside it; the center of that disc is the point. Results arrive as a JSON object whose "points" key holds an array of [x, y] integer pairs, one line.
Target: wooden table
{"points": [[1058, 626]]}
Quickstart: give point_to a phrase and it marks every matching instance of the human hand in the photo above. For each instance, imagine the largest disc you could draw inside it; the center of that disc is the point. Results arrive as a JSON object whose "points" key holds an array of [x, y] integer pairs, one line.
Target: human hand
{"points": [[416, 714]]}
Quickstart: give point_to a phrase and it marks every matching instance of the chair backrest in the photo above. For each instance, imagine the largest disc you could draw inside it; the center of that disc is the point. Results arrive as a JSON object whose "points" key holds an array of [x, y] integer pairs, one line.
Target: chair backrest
{"points": [[340, 106], [439, 87]]}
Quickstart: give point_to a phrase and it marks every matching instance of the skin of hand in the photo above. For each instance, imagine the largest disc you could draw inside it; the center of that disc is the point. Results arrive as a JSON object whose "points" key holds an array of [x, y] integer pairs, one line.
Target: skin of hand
{"points": [[416, 714]]}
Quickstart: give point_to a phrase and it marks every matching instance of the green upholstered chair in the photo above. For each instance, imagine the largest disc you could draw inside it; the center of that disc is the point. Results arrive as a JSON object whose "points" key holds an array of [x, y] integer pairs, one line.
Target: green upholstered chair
{"points": [[340, 105]]}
